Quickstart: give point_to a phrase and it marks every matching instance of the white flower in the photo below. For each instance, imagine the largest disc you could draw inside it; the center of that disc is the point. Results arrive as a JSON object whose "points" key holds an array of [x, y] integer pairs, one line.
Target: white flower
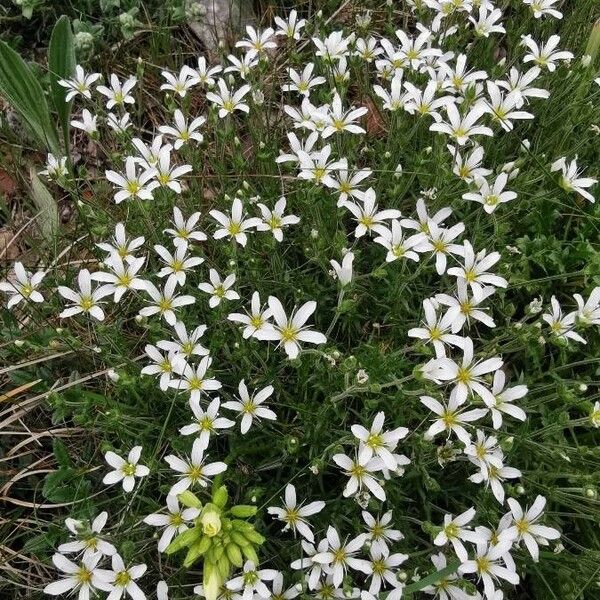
{"points": [[307, 562], [294, 514], [469, 167], [148, 155], [182, 131], [395, 98], [524, 527], [375, 442], [340, 556], [436, 329], [494, 477], [455, 532], [118, 93], [123, 277], [543, 7], [219, 289], [235, 224], [317, 167], [278, 591], [588, 312], [474, 270], [491, 195], [503, 398], [242, 66], [249, 406], [562, 326], [379, 532], [520, 84], [174, 522], [193, 378], [339, 120], [23, 286], [228, 100], [83, 578], [501, 107], [343, 272], [368, 216], [290, 331], [274, 220], [423, 221], [118, 123], [489, 567], [88, 539], [302, 82], [121, 580], [485, 452], [334, 46], [207, 421], [367, 49], [296, 145], [181, 83], [346, 183], [56, 167], [163, 365], [545, 55], [88, 123], [165, 302], [166, 175], [462, 128], [468, 307], [205, 73], [451, 418], [251, 582], [383, 568], [133, 184], [187, 344], [183, 230], [467, 376], [446, 588], [194, 470], [178, 263], [571, 180], [80, 84], [125, 471], [460, 78], [121, 245], [424, 102], [257, 41], [487, 21], [360, 471], [85, 300], [255, 320], [291, 27]]}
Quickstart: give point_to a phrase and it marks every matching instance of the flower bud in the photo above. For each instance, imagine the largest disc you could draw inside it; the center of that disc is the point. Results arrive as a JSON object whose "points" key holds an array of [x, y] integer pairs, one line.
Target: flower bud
{"points": [[211, 522]]}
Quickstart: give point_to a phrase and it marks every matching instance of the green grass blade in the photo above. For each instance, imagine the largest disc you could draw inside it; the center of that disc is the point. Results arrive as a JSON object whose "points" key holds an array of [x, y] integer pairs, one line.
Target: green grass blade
{"points": [[24, 93], [61, 62]]}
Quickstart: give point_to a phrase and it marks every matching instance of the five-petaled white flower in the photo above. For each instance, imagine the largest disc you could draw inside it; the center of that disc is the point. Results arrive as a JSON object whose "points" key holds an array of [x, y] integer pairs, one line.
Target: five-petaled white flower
{"points": [[250, 406], [219, 289], [194, 470], [125, 471], [174, 521], [290, 331], [294, 514], [23, 286], [85, 300]]}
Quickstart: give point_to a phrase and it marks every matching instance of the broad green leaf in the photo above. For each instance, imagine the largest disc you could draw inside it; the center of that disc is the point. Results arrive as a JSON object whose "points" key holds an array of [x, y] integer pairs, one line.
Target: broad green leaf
{"points": [[61, 62], [22, 90], [46, 205]]}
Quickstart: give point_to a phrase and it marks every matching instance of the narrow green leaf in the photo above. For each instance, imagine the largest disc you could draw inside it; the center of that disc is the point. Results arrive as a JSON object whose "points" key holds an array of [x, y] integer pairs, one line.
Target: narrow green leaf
{"points": [[46, 205], [22, 90], [431, 579], [61, 62]]}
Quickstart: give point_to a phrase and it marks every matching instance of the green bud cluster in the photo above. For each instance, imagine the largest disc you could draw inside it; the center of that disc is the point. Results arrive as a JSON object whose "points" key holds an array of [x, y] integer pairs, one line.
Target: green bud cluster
{"points": [[220, 537]]}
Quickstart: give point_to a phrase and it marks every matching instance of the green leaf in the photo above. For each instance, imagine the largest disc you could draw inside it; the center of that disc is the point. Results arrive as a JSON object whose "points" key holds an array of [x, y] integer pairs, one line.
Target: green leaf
{"points": [[46, 205], [61, 62], [23, 92], [60, 453]]}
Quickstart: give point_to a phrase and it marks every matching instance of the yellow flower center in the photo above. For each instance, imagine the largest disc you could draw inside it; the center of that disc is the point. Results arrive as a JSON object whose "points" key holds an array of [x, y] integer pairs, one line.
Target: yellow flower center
{"points": [[133, 187], [234, 228], [449, 419], [256, 321], [195, 473], [164, 304], [128, 470], [288, 334], [122, 579], [86, 302], [84, 576], [463, 375]]}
